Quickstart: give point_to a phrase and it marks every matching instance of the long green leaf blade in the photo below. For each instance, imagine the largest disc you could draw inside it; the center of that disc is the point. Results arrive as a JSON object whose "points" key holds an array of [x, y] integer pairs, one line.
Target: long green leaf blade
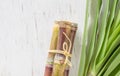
{"points": [[92, 33], [115, 43], [101, 33], [112, 7], [117, 51], [113, 65], [83, 52]]}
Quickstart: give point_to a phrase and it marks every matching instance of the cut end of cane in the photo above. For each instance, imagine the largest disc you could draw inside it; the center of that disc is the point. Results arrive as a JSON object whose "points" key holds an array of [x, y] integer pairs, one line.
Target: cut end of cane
{"points": [[64, 23]]}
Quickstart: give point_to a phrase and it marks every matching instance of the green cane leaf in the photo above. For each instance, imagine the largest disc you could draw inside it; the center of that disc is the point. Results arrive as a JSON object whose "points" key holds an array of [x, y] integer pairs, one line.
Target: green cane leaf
{"points": [[113, 65], [112, 57], [116, 22], [94, 14], [101, 33], [112, 7], [83, 52], [115, 43]]}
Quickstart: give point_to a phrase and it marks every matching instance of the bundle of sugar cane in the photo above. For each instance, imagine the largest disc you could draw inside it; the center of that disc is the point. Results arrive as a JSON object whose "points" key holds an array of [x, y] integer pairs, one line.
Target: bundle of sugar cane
{"points": [[61, 54]]}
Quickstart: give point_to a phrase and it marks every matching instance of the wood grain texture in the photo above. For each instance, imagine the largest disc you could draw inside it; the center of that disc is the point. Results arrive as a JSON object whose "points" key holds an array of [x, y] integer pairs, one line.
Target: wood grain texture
{"points": [[25, 33]]}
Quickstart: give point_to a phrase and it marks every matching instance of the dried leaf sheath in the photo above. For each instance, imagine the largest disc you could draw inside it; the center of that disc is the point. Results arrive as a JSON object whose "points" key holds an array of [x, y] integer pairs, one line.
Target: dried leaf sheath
{"points": [[53, 46]]}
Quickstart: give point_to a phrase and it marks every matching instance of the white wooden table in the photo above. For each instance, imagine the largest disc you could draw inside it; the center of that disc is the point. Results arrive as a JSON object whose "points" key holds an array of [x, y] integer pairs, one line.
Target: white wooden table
{"points": [[25, 33]]}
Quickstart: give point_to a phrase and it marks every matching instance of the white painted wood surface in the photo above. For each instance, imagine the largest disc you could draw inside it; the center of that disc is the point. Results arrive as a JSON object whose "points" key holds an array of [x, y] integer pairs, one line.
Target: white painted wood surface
{"points": [[25, 33]]}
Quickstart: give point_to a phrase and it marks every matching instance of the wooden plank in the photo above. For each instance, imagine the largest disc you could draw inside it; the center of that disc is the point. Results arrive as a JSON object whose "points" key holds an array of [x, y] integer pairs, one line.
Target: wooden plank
{"points": [[25, 33]]}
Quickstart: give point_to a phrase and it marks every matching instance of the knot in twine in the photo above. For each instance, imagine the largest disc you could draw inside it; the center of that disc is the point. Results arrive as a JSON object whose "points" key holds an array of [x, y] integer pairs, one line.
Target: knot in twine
{"points": [[65, 51]]}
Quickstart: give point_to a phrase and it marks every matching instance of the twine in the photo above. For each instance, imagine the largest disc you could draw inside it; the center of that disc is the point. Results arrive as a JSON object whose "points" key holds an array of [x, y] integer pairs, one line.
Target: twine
{"points": [[65, 52]]}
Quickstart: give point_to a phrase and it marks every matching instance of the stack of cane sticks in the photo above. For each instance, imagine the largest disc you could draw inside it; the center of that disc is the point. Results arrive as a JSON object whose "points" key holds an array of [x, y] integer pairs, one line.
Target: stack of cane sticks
{"points": [[59, 57]]}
